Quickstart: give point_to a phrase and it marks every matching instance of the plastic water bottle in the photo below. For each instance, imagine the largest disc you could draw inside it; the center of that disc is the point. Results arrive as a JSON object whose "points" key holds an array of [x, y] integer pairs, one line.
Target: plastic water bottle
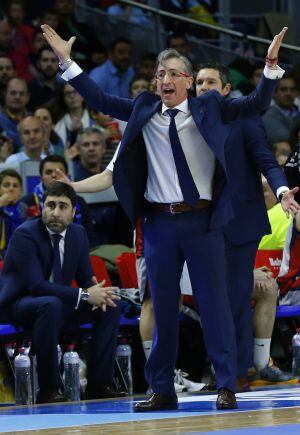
{"points": [[33, 370], [296, 353], [23, 393], [71, 374], [10, 349], [27, 347], [123, 356], [36, 387], [59, 354]]}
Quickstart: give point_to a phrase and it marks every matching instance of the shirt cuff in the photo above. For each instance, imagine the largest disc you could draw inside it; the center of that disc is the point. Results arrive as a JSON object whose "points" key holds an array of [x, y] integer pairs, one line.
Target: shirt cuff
{"points": [[79, 296], [280, 190], [268, 72], [73, 71]]}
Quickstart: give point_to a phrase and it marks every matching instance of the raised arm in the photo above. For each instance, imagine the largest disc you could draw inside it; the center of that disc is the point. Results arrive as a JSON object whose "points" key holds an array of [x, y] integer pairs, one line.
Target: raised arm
{"points": [[95, 97], [273, 50], [260, 99], [61, 48]]}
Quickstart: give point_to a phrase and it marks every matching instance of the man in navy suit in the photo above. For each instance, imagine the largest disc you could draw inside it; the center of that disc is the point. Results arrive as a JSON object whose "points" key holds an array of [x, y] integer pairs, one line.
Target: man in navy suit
{"points": [[247, 155], [44, 256], [173, 174]]}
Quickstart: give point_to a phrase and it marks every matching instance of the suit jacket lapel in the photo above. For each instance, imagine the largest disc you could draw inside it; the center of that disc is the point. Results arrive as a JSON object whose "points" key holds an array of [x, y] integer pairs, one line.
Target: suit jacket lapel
{"points": [[198, 111], [137, 122], [46, 250]]}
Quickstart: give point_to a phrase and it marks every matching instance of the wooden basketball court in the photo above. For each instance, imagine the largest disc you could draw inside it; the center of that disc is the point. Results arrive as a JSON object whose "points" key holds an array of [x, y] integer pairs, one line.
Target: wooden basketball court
{"points": [[275, 411]]}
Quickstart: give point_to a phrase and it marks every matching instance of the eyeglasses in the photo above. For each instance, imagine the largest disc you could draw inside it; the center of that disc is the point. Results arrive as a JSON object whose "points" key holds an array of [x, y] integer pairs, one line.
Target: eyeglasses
{"points": [[173, 74]]}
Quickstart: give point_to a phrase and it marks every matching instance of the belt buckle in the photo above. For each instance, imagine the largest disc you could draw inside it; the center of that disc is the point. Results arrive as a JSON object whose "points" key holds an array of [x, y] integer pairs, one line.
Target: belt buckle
{"points": [[172, 211]]}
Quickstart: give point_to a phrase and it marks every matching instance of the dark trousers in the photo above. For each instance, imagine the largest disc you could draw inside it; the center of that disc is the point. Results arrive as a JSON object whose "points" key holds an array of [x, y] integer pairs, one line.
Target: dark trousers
{"points": [[48, 315], [169, 241], [240, 265]]}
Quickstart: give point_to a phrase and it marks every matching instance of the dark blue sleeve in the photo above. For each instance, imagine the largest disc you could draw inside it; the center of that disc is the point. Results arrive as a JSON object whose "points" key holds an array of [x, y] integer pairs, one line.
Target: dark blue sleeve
{"points": [[117, 107], [263, 156], [84, 271], [253, 104], [27, 265]]}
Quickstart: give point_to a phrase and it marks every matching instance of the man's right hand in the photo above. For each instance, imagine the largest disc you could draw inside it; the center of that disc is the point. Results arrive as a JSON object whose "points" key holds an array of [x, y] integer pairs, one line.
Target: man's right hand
{"points": [[61, 48], [101, 296]]}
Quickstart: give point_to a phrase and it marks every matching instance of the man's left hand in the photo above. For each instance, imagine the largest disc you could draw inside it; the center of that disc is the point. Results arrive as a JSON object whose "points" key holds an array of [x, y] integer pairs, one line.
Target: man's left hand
{"points": [[275, 46], [288, 203]]}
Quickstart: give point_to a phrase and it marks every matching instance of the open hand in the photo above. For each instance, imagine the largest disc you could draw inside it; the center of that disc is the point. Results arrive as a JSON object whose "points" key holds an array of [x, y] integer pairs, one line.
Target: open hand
{"points": [[61, 48], [288, 203], [275, 45]]}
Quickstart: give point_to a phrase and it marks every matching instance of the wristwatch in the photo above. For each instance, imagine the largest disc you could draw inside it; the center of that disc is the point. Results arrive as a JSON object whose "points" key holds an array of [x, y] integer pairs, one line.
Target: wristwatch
{"points": [[84, 294], [65, 65]]}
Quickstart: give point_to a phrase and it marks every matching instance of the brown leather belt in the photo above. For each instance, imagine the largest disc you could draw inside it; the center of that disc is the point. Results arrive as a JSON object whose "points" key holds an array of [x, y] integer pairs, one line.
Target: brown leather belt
{"points": [[177, 207]]}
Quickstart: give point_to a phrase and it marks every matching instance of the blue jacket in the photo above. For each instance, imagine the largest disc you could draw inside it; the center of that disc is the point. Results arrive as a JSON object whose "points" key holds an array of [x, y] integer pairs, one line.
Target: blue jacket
{"points": [[28, 264], [248, 155], [211, 112]]}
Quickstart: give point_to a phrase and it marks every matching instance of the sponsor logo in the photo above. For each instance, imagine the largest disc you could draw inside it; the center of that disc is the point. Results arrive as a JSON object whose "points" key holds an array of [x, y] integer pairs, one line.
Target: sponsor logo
{"points": [[275, 262]]}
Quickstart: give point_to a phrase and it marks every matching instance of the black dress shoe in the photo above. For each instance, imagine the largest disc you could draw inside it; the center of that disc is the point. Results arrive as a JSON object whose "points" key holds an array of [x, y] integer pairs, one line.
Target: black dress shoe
{"points": [[157, 402], [226, 399], [50, 395], [102, 391]]}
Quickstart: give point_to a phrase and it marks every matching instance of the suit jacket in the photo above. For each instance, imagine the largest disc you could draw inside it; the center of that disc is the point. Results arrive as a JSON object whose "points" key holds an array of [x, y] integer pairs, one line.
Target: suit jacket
{"points": [[210, 112], [247, 156], [29, 262]]}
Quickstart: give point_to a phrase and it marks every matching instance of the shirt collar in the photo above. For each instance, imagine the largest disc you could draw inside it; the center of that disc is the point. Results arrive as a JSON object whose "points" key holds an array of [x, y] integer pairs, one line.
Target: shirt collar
{"points": [[183, 107], [52, 233]]}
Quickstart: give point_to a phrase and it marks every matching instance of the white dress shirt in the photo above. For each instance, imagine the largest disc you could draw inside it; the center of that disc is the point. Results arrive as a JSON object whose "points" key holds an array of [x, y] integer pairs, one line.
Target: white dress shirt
{"points": [[162, 183]]}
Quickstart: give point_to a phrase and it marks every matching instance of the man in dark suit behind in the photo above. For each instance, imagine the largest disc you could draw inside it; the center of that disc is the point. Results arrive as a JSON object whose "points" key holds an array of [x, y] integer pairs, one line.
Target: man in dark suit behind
{"points": [[247, 155], [44, 255]]}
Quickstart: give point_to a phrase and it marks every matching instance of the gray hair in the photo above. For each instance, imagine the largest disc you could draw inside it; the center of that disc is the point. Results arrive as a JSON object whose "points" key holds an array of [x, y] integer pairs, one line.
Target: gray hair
{"points": [[171, 53], [90, 130]]}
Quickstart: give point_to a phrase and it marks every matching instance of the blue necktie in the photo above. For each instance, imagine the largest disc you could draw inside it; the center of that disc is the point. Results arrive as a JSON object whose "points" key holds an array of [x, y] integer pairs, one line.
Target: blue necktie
{"points": [[57, 271], [188, 187]]}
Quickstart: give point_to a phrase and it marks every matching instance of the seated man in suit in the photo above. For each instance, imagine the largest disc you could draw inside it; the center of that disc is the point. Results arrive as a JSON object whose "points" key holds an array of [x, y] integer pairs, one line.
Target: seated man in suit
{"points": [[40, 264]]}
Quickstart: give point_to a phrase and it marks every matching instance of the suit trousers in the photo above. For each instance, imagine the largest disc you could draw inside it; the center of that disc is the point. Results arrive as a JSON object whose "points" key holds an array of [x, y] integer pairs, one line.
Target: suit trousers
{"points": [[47, 316], [240, 266], [169, 241]]}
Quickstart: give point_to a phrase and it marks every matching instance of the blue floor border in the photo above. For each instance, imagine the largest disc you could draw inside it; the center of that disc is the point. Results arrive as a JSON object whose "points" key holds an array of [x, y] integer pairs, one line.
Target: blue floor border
{"points": [[121, 411]]}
